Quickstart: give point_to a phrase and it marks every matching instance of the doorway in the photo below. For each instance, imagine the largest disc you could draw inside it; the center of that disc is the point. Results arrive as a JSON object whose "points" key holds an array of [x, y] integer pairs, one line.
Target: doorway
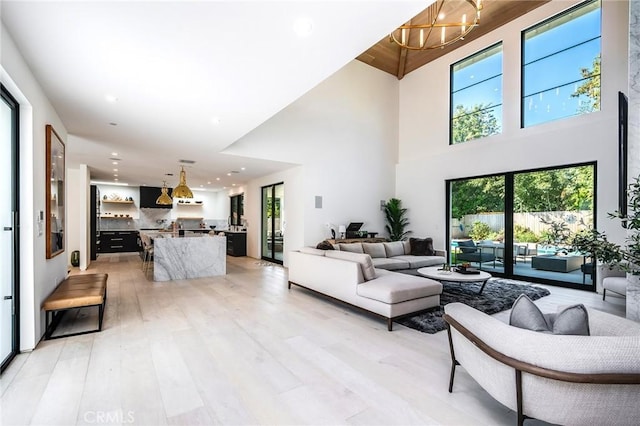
{"points": [[273, 224], [9, 342]]}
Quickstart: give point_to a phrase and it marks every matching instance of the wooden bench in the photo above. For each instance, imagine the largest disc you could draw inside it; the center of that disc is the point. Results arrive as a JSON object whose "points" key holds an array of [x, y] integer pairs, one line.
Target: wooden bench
{"points": [[77, 291]]}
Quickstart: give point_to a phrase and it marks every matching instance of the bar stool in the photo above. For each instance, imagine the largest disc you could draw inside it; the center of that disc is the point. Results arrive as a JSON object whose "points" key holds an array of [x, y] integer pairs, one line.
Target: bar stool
{"points": [[147, 253]]}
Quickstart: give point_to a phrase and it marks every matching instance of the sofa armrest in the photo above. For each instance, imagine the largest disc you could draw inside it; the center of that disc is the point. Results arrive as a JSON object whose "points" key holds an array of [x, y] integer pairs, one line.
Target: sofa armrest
{"points": [[442, 253]]}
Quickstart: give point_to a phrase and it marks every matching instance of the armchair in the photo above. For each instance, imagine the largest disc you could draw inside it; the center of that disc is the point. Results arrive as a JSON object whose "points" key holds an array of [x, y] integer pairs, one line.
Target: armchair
{"points": [[469, 252], [612, 279]]}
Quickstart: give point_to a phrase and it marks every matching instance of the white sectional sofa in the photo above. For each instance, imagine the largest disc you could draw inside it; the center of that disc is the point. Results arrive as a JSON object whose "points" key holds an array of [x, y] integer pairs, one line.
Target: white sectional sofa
{"points": [[393, 256], [351, 278], [561, 379]]}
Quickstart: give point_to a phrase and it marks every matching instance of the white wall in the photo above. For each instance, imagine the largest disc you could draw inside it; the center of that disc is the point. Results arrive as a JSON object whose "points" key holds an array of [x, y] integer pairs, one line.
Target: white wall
{"points": [[344, 134], [78, 224], [38, 276], [426, 159]]}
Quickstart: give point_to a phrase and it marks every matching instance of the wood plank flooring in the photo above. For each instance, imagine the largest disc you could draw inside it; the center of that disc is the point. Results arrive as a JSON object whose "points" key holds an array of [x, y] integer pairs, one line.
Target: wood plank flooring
{"points": [[243, 349]]}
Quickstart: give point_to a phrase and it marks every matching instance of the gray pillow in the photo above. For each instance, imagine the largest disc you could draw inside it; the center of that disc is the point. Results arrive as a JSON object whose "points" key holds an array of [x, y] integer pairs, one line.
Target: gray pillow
{"points": [[572, 320], [525, 314]]}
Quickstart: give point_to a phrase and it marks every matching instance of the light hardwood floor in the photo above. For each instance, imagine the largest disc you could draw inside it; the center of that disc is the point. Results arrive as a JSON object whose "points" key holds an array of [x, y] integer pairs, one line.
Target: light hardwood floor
{"points": [[243, 349]]}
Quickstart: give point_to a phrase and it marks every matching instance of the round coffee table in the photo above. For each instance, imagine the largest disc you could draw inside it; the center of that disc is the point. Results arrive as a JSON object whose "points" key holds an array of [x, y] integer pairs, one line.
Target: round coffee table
{"points": [[435, 273]]}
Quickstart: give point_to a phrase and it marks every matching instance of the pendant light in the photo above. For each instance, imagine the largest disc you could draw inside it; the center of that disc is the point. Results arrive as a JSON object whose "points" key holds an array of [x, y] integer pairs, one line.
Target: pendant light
{"points": [[164, 198], [182, 190]]}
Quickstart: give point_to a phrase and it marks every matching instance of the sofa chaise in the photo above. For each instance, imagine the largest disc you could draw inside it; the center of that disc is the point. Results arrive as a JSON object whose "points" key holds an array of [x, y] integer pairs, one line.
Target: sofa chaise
{"points": [[352, 278], [563, 379]]}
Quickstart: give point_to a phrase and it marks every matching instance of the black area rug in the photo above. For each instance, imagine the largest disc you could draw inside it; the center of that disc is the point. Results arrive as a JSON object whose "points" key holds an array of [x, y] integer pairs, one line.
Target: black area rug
{"points": [[498, 295]]}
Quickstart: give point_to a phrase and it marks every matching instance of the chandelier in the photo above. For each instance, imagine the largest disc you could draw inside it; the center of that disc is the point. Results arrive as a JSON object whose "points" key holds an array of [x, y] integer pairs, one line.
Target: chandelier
{"points": [[445, 22]]}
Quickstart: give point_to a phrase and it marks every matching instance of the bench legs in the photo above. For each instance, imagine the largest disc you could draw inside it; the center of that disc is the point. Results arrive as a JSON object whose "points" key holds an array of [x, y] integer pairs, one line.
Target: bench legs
{"points": [[53, 318]]}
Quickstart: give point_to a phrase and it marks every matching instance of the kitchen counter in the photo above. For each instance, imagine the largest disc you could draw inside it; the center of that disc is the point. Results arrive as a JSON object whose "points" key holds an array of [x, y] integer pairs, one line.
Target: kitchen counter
{"points": [[178, 258]]}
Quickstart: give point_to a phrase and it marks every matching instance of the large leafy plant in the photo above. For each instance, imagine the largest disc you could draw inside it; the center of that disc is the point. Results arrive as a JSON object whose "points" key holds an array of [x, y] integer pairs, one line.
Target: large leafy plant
{"points": [[627, 256], [397, 221]]}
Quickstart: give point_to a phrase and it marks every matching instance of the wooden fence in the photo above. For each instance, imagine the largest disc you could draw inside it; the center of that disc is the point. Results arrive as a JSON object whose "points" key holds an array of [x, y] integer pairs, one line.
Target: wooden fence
{"points": [[575, 220]]}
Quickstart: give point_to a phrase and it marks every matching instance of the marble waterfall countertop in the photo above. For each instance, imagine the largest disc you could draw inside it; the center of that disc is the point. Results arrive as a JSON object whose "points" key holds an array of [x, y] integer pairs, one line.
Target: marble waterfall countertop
{"points": [[188, 257]]}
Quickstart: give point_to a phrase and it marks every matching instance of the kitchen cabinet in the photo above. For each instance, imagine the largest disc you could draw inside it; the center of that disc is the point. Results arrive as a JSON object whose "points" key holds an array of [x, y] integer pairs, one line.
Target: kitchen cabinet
{"points": [[236, 243], [119, 242]]}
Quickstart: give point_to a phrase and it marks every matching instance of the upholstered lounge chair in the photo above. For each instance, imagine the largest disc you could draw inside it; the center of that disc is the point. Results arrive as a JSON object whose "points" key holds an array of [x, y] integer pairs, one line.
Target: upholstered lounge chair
{"points": [[469, 252]]}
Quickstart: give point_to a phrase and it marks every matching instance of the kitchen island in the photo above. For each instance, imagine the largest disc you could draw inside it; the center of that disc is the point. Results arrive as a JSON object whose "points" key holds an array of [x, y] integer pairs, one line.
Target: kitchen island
{"points": [[179, 258]]}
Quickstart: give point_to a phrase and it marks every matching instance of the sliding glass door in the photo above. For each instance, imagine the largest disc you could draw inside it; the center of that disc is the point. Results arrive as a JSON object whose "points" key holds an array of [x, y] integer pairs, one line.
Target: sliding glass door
{"points": [[8, 229], [550, 207], [273, 223], [520, 224], [477, 222]]}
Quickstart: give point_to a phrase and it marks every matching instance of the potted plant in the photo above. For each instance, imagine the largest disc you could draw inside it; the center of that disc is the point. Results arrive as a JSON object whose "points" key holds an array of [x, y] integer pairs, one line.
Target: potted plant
{"points": [[627, 256], [396, 217]]}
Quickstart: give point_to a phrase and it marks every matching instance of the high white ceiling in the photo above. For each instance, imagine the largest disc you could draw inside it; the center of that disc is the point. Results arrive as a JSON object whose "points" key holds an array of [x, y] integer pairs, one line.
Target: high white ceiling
{"points": [[176, 67]]}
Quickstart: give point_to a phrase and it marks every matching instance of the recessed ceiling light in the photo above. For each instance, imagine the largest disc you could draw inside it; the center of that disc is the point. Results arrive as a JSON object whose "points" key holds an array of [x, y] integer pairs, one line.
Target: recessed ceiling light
{"points": [[303, 27], [115, 174], [115, 163], [116, 179], [242, 168], [217, 178], [201, 186], [233, 184], [110, 98], [115, 154], [209, 183], [228, 174], [115, 170]]}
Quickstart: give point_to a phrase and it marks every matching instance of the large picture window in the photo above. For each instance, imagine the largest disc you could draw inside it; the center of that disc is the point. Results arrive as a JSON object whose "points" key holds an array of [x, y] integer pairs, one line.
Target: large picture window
{"points": [[476, 95], [561, 66]]}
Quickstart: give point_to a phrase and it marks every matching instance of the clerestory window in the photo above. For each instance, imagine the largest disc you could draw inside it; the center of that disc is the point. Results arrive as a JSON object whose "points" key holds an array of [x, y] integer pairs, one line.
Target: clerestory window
{"points": [[476, 95], [561, 65]]}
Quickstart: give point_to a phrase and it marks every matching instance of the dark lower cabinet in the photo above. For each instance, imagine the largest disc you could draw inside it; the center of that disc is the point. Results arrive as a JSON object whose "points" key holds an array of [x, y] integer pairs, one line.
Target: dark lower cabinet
{"points": [[119, 242], [236, 243]]}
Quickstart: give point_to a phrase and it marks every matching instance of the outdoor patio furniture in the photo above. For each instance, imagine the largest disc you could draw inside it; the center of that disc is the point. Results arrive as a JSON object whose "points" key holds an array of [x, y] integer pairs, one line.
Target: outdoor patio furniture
{"points": [[556, 263], [469, 252]]}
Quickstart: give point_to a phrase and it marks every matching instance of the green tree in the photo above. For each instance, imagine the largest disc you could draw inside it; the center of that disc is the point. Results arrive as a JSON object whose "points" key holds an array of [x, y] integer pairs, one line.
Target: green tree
{"points": [[589, 88], [473, 123], [481, 195], [567, 189]]}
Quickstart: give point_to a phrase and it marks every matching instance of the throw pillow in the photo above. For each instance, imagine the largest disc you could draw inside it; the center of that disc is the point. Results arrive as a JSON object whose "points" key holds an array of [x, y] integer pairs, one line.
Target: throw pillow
{"points": [[422, 246], [324, 245], [525, 314], [572, 320]]}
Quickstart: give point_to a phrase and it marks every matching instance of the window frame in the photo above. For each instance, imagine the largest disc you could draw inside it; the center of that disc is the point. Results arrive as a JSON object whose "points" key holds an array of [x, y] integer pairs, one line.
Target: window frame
{"points": [[550, 19], [451, 91]]}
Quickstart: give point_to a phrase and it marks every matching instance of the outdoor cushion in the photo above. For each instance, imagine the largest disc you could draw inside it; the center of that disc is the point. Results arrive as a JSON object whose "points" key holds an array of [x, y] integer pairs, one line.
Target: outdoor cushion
{"points": [[374, 249], [467, 246], [390, 264], [368, 270], [352, 247], [394, 248]]}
